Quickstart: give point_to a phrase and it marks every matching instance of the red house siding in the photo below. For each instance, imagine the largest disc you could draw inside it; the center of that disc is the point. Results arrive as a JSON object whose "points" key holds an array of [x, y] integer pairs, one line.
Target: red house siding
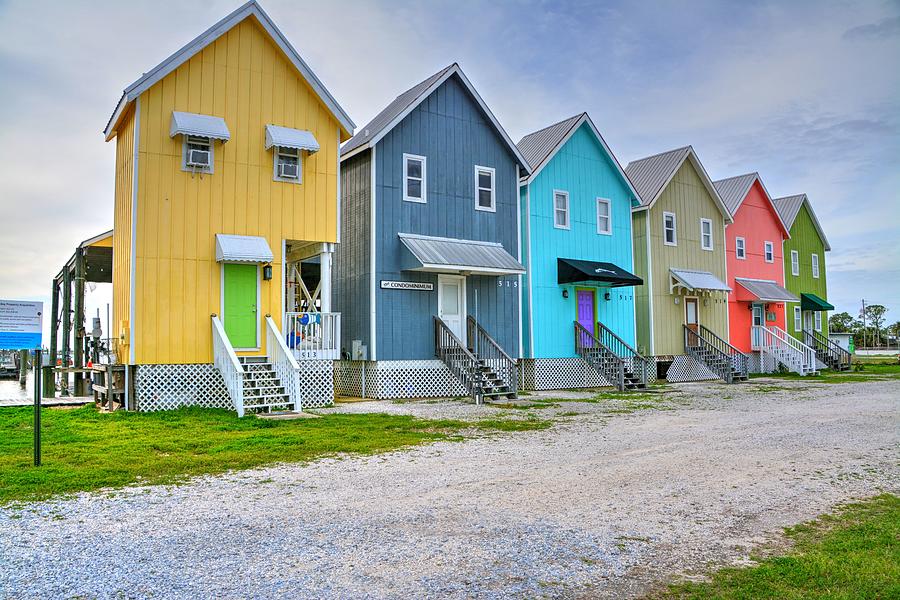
{"points": [[757, 222]]}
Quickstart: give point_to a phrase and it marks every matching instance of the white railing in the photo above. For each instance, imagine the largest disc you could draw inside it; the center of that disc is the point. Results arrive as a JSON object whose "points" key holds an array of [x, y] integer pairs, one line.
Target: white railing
{"points": [[229, 366], [283, 363], [313, 335], [785, 348]]}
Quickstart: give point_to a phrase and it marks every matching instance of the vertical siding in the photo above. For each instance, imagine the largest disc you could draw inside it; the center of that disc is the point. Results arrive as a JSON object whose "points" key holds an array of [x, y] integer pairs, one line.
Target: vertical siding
{"points": [[642, 292], [805, 239], [351, 259], [244, 78], [584, 170], [122, 230], [688, 198], [757, 222], [449, 129]]}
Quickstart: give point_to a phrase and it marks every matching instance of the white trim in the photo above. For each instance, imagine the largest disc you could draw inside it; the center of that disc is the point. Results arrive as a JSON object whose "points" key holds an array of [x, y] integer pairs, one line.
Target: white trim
{"points": [[746, 191], [423, 199], [817, 320], [812, 215], [528, 270], [373, 264], [568, 224], [814, 265], [684, 315], [134, 202], [463, 308], [650, 289], [766, 246], [798, 319], [258, 304], [519, 253], [712, 242], [276, 154], [609, 217], [184, 155], [283, 280], [102, 236], [493, 207], [340, 213], [740, 250], [674, 241], [795, 264], [452, 269], [725, 264]]}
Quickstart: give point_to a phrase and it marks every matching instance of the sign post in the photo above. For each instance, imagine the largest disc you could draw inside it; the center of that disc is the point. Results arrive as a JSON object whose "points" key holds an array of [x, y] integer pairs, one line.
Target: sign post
{"points": [[37, 407]]}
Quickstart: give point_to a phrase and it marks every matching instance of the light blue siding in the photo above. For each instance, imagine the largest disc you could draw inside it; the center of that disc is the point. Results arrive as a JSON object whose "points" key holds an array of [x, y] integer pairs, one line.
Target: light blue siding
{"points": [[583, 169]]}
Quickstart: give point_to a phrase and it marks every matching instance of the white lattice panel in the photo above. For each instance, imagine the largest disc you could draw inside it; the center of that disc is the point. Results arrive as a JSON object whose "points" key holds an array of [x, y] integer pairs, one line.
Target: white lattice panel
{"points": [[167, 387], [560, 374], [687, 368], [316, 383], [396, 379]]}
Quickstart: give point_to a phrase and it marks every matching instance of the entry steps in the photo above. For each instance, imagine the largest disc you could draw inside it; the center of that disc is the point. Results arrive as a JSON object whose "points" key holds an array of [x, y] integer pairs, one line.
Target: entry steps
{"points": [[262, 388]]}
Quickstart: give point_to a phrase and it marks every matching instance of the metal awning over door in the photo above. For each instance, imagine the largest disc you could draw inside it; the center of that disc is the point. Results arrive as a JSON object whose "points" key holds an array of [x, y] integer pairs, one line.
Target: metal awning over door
{"points": [[695, 281], [570, 270], [753, 290], [813, 302], [447, 255], [242, 248]]}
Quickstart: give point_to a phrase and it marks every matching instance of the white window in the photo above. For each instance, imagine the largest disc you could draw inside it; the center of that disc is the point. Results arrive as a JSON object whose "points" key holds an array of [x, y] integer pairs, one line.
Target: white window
{"points": [[740, 248], [815, 266], [484, 189], [798, 319], [706, 234], [604, 216], [770, 252], [795, 262], [287, 165], [818, 317], [196, 154], [414, 181], [561, 209], [670, 235]]}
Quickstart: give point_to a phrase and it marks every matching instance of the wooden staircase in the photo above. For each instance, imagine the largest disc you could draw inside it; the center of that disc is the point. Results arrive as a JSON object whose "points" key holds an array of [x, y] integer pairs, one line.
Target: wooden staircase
{"points": [[832, 355], [263, 391], [489, 375], [626, 369], [720, 357]]}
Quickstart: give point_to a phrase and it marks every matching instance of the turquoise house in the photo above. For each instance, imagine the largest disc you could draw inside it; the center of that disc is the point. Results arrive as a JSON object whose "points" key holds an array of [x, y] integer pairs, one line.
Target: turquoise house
{"points": [[575, 221]]}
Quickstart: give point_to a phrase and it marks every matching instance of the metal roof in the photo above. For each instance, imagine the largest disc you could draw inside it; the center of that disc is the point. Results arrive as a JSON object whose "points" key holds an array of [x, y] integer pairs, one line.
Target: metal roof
{"points": [[766, 290], [200, 125], [733, 190], [449, 255], [251, 8], [699, 280], [285, 137], [242, 248], [652, 174], [789, 207], [404, 104]]}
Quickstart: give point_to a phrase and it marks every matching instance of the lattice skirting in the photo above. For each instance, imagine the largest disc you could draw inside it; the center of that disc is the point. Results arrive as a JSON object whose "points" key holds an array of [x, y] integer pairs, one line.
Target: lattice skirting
{"points": [[316, 383], [386, 379], [762, 363], [559, 374], [687, 368]]}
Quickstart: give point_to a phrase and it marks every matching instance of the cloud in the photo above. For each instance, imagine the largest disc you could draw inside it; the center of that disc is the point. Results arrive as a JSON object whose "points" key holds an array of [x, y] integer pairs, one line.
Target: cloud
{"points": [[885, 28]]}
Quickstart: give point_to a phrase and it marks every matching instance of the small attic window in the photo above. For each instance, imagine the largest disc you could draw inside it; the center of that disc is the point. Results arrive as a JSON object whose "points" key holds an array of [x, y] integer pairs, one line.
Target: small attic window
{"points": [[288, 166], [197, 154]]}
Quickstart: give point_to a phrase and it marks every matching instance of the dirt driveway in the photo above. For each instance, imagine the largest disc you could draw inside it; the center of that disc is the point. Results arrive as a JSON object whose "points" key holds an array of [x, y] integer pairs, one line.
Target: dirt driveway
{"points": [[602, 504]]}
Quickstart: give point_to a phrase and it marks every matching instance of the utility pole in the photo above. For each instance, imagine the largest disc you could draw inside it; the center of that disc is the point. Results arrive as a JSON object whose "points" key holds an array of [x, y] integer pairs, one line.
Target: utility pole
{"points": [[864, 321]]}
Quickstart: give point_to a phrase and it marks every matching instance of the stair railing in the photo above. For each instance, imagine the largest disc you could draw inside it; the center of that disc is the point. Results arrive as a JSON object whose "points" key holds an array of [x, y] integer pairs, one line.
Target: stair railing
{"points": [[601, 358], [283, 363], [827, 348], [227, 363], [722, 358], [462, 363], [492, 355], [638, 364], [808, 354]]}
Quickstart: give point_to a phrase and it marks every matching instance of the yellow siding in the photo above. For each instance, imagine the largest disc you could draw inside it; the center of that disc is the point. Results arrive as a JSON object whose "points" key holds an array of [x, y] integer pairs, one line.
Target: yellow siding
{"points": [[121, 240], [641, 292], [244, 78]]}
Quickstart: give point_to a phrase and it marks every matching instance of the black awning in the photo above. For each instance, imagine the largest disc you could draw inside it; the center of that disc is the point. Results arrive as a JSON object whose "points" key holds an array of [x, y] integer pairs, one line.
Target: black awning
{"points": [[570, 270]]}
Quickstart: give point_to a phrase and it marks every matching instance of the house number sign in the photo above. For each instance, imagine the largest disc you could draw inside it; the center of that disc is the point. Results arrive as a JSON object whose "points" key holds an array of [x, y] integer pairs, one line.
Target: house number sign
{"points": [[406, 285]]}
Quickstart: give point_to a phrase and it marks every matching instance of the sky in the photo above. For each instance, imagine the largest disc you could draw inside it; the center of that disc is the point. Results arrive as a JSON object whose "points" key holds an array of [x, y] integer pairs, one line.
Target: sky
{"points": [[807, 93]]}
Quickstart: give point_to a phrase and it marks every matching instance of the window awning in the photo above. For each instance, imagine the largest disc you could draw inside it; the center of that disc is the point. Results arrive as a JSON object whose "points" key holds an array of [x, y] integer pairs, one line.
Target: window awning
{"points": [[284, 137], [242, 248], [446, 255], [813, 302], [751, 290], [569, 270], [696, 281], [200, 125]]}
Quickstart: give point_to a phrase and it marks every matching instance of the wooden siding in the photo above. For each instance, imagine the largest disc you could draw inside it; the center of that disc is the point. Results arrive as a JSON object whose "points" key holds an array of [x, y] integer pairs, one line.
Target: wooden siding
{"points": [[688, 198], [584, 170], [244, 78], [122, 234], [805, 239], [757, 222], [352, 258], [641, 294], [449, 129]]}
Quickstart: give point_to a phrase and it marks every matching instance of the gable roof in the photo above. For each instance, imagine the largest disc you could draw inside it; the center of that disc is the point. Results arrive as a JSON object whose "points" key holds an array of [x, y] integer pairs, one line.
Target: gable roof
{"points": [[789, 207], [406, 102], [652, 174], [540, 147], [733, 190], [251, 8]]}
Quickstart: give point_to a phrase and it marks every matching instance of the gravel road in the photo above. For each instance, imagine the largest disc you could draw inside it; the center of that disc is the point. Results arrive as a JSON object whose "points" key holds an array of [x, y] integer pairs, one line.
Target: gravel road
{"points": [[603, 504]]}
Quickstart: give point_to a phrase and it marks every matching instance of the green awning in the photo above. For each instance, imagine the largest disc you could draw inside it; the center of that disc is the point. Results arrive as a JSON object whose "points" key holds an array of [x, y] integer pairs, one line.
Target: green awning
{"points": [[813, 302]]}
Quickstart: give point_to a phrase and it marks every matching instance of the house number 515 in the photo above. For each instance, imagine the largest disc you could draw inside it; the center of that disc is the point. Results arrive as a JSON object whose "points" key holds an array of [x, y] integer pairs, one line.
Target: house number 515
{"points": [[509, 282]]}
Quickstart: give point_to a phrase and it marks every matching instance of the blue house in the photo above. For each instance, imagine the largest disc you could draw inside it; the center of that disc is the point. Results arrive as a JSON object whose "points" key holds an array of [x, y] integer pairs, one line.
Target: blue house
{"points": [[578, 315], [427, 272]]}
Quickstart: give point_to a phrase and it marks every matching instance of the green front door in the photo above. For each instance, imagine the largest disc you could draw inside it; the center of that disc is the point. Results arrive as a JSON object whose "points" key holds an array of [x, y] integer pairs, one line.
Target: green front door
{"points": [[240, 304]]}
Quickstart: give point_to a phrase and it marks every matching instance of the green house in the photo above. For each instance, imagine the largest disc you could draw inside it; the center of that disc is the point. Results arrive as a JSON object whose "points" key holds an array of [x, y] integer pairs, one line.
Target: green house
{"points": [[804, 267]]}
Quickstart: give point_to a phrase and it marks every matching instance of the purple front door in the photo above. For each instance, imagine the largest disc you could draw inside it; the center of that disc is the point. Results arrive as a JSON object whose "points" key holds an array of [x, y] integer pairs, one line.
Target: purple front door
{"points": [[585, 300]]}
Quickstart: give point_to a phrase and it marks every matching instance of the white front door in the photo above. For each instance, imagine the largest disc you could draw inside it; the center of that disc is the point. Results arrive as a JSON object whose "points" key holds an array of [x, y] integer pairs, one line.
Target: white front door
{"points": [[452, 303], [758, 321], [807, 320]]}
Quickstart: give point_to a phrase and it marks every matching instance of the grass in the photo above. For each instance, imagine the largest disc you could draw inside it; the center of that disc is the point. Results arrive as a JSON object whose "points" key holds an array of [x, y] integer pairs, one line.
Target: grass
{"points": [[862, 371], [853, 553], [86, 450]]}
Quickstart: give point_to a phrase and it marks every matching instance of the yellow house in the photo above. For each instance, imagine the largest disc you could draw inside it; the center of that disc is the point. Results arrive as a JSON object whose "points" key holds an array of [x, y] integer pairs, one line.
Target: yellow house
{"points": [[226, 216]]}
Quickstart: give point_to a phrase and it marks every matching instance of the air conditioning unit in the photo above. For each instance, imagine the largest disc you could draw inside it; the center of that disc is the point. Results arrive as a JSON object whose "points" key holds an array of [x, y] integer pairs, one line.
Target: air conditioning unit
{"points": [[287, 170], [198, 158]]}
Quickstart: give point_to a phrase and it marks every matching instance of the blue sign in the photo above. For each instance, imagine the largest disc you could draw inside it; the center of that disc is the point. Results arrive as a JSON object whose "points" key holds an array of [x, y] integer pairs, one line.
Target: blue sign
{"points": [[20, 324]]}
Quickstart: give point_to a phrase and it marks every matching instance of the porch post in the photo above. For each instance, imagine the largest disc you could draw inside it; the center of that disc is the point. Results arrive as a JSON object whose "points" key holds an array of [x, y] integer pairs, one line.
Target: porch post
{"points": [[78, 322], [325, 277], [49, 380], [66, 328]]}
